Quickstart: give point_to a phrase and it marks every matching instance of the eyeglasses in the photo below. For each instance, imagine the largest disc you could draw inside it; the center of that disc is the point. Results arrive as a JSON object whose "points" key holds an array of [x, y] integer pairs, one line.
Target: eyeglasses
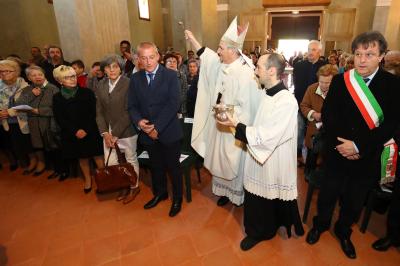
{"points": [[69, 77], [6, 71]]}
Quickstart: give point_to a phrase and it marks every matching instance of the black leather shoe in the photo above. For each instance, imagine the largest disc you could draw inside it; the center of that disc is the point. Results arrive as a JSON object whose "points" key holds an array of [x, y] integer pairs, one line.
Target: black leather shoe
{"points": [[154, 201], [175, 208], [313, 236], [222, 201], [38, 173], [87, 190], [28, 171], [53, 175], [348, 248], [63, 176], [248, 242], [384, 244]]}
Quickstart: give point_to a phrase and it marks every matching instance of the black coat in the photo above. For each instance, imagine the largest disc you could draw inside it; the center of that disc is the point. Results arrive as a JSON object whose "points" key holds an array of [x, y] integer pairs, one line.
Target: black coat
{"points": [[342, 118], [304, 74], [77, 113]]}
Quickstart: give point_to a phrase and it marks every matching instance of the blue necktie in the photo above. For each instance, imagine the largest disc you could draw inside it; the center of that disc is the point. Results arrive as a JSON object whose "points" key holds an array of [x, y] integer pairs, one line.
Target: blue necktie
{"points": [[150, 75], [366, 80]]}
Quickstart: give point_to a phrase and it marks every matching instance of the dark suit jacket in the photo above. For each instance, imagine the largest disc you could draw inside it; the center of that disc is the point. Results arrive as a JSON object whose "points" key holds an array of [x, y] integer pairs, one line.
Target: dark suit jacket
{"points": [[112, 108], [159, 104], [304, 74], [341, 118]]}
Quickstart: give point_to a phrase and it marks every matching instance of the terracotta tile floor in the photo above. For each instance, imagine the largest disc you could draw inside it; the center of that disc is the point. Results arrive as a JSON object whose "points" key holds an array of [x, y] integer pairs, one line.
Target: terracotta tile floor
{"points": [[46, 222]]}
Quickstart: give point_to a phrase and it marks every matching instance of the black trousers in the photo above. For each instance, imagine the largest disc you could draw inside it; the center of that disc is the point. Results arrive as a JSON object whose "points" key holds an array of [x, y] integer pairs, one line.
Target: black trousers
{"points": [[351, 189], [393, 219], [263, 217], [165, 158]]}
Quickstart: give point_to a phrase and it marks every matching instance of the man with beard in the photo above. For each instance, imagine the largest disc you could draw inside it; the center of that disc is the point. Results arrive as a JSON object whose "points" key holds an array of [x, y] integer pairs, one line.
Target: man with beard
{"points": [[56, 59]]}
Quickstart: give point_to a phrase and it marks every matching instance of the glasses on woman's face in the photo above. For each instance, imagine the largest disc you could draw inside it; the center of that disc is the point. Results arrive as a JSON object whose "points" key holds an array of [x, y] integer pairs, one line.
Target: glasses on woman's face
{"points": [[6, 71], [171, 62], [72, 77]]}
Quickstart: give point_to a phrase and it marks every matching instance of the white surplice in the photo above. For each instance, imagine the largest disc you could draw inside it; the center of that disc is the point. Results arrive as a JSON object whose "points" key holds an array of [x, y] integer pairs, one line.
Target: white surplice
{"points": [[270, 169], [223, 154]]}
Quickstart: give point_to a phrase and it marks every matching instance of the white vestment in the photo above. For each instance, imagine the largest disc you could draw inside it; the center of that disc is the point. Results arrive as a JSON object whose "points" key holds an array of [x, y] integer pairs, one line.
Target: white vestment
{"points": [[270, 169], [223, 154]]}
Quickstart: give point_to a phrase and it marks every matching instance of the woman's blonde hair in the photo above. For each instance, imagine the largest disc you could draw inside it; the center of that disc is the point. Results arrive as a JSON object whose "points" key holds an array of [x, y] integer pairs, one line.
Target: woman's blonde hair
{"points": [[12, 64], [60, 72]]}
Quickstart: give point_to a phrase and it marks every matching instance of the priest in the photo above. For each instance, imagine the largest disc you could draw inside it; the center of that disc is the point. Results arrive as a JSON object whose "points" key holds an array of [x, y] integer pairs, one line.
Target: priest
{"points": [[270, 167], [226, 76]]}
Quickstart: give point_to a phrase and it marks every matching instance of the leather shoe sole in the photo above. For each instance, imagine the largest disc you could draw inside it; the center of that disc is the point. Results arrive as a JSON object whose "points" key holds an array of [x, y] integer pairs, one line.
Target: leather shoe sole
{"points": [[38, 173], [348, 248], [53, 175], [62, 177], [222, 201], [383, 244], [248, 243], [313, 236], [175, 209], [346, 245], [154, 201]]}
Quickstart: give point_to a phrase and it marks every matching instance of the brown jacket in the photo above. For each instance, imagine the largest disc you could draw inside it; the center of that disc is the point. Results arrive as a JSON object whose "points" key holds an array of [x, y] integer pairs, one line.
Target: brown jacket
{"points": [[112, 109], [311, 101]]}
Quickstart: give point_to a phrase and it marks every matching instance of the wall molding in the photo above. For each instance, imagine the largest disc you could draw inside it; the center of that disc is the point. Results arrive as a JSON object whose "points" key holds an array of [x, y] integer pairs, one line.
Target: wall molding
{"points": [[222, 7], [383, 2]]}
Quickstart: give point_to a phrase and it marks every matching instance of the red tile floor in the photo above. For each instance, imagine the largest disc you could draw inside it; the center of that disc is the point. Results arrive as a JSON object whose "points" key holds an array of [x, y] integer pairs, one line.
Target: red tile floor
{"points": [[46, 222]]}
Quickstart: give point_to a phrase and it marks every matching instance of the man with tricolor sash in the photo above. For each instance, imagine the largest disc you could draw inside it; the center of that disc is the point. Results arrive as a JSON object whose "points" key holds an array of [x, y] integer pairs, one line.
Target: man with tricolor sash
{"points": [[360, 117]]}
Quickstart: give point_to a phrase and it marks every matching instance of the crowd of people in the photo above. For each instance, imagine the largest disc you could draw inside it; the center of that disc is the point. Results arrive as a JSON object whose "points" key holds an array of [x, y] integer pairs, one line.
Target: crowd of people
{"points": [[54, 115]]}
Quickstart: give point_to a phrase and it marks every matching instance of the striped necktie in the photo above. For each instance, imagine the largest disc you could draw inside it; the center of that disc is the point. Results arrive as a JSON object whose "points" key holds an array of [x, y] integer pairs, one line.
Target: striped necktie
{"points": [[150, 75]]}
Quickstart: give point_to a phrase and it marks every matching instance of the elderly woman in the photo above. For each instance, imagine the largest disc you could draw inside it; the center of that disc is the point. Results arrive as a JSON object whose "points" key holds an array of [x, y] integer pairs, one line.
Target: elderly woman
{"points": [[192, 80], [41, 122], [113, 118], [14, 130], [75, 112], [312, 104], [349, 63], [171, 61]]}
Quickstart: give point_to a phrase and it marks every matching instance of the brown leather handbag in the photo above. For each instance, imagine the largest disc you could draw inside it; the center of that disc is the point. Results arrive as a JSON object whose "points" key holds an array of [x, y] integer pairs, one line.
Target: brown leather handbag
{"points": [[115, 177]]}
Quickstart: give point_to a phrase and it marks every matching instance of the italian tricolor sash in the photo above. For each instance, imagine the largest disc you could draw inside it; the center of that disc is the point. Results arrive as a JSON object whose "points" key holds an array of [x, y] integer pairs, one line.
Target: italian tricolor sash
{"points": [[373, 116]]}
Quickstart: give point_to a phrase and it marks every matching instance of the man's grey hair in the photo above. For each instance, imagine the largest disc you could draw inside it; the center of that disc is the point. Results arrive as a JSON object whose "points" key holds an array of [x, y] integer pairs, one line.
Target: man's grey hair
{"points": [[143, 45], [317, 43], [32, 68], [110, 59]]}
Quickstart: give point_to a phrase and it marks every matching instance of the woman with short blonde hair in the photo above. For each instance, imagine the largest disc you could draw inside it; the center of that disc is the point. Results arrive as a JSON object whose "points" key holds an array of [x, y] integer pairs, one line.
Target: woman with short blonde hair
{"points": [[75, 112]]}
